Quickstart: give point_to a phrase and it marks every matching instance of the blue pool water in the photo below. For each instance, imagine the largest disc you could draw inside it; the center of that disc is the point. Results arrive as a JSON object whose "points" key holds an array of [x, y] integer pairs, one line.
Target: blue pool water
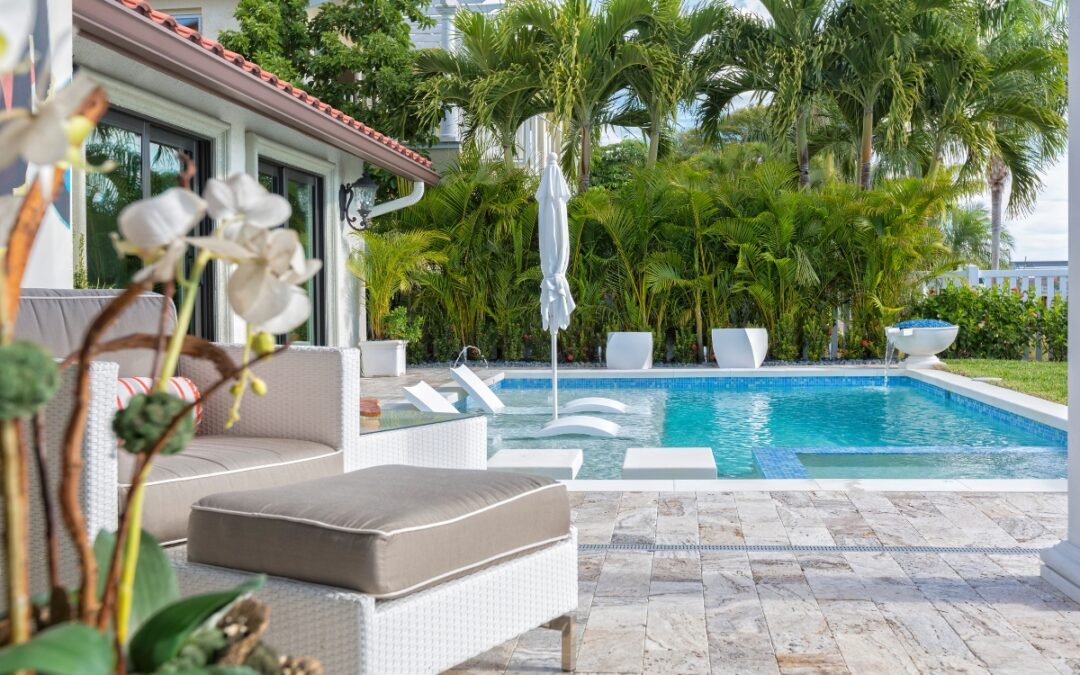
{"points": [[852, 427]]}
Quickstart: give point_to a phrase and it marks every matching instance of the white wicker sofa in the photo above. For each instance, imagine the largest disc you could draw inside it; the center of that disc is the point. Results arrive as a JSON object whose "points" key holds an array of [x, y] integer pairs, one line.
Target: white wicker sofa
{"points": [[305, 428], [300, 430]]}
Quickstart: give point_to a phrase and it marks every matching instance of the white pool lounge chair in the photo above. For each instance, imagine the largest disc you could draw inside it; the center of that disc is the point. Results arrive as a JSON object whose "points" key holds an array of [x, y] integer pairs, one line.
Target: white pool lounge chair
{"points": [[579, 425], [596, 404], [474, 386], [425, 398]]}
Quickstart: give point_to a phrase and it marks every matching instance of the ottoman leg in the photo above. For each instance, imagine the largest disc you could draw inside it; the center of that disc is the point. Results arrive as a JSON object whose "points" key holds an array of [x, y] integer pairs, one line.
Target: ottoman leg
{"points": [[565, 624]]}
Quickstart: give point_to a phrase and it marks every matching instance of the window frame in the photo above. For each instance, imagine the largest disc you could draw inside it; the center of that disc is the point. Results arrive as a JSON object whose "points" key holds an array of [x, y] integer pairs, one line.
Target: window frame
{"points": [[204, 322], [281, 174]]}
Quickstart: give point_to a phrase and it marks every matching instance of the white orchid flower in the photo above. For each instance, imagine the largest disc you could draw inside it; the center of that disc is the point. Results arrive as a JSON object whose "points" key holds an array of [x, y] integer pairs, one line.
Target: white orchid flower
{"points": [[264, 289], [240, 200], [15, 31], [155, 229], [45, 137]]}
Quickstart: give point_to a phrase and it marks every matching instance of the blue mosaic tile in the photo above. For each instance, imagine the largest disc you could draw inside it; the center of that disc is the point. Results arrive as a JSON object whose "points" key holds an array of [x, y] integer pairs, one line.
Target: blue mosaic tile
{"points": [[779, 463], [925, 450]]}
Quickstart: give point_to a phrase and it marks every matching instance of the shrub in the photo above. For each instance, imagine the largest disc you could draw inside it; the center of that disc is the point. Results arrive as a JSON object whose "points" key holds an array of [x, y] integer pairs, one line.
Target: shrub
{"points": [[996, 323], [817, 332]]}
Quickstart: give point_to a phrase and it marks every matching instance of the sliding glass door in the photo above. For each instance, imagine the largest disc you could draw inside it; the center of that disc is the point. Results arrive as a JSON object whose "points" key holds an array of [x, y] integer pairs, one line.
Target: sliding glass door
{"points": [[146, 160], [305, 194]]}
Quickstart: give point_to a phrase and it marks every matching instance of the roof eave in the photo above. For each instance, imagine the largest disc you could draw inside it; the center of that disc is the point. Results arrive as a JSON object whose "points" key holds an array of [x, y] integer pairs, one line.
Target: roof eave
{"points": [[119, 29]]}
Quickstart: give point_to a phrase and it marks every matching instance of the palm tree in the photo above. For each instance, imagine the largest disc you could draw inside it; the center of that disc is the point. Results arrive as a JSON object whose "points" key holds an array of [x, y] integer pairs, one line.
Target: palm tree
{"points": [[584, 58], [874, 67], [390, 263], [779, 58], [1029, 129], [967, 233], [995, 100], [490, 77], [655, 91]]}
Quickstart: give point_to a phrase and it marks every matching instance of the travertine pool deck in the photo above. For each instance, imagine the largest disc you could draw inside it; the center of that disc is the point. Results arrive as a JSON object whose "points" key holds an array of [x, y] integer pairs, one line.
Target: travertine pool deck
{"points": [[755, 605]]}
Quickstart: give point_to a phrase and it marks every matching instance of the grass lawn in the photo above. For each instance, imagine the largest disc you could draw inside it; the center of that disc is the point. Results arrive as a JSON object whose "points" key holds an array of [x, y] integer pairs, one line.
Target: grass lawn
{"points": [[1045, 379]]}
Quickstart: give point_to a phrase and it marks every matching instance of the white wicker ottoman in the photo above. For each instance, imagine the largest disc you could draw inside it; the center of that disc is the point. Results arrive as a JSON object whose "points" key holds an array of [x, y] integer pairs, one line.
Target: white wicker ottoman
{"points": [[394, 569], [426, 632]]}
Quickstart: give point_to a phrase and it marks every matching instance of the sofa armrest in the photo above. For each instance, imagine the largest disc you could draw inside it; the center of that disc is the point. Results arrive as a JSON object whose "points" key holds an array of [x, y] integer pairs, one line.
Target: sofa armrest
{"points": [[98, 489], [313, 394]]}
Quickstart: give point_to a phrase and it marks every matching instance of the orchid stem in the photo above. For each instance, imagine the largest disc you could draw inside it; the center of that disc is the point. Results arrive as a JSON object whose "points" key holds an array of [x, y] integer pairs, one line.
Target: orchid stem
{"points": [[187, 309], [125, 590], [15, 532], [132, 538]]}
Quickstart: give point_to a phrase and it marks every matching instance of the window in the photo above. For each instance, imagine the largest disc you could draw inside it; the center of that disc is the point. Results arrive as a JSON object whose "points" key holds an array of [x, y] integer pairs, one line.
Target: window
{"points": [[146, 157], [192, 20], [305, 194]]}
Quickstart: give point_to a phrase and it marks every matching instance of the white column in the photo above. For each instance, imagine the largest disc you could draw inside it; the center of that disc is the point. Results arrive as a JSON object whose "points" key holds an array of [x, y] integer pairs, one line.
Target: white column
{"points": [[1061, 564]]}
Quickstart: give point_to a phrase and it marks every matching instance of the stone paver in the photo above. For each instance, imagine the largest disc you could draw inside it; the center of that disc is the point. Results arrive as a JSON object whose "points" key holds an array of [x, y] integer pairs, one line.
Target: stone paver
{"points": [[819, 611]]}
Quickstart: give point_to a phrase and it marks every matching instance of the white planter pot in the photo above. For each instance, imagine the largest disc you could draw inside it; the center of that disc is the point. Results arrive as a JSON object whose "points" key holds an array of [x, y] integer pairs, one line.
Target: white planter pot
{"points": [[740, 347], [922, 345], [382, 358], [629, 351]]}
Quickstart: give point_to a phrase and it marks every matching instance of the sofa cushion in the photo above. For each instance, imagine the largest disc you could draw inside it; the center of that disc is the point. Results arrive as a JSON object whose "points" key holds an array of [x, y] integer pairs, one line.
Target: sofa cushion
{"points": [[385, 531], [212, 464], [58, 319]]}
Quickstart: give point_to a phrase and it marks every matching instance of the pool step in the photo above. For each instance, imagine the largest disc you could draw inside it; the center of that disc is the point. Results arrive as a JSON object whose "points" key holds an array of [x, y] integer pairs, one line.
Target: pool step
{"points": [[553, 463], [669, 463]]}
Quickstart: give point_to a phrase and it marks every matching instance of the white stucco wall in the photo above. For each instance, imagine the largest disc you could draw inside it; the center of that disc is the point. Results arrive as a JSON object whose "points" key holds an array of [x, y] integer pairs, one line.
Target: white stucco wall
{"points": [[217, 15], [238, 138]]}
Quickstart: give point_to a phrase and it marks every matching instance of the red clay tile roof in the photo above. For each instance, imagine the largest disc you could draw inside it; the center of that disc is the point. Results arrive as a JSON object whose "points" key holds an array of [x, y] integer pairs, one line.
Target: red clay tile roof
{"points": [[213, 46]]}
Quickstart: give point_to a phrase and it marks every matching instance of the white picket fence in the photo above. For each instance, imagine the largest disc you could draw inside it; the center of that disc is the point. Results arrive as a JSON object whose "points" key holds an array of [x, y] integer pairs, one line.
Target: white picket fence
{"points": [[1051, 283]]}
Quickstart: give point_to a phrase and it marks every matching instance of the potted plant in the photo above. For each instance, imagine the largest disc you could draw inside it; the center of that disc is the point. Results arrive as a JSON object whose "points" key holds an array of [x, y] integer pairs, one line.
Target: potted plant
{"points": [[390, 263], [740, 347], [629, 350], [125, 613]]}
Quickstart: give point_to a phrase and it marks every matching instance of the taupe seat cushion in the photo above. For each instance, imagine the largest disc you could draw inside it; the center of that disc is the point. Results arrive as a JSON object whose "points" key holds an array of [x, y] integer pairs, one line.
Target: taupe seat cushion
{"points": [[384, 531], [212, 464]]}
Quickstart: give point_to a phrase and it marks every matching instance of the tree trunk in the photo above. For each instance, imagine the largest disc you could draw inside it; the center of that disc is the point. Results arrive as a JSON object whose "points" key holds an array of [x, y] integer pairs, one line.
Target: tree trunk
{"points": [[508, 155], [866, 149], [996, 176], [802, 146], [654, 144], [586, 157]]}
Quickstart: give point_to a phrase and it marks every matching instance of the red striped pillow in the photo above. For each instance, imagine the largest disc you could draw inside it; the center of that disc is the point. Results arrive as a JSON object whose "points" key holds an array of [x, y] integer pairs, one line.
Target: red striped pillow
{"points": [[181, 387]]}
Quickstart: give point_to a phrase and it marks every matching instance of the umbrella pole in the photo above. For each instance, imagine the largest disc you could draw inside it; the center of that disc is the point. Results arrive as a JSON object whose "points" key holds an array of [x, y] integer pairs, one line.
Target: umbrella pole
{"points": [[554, 374]]}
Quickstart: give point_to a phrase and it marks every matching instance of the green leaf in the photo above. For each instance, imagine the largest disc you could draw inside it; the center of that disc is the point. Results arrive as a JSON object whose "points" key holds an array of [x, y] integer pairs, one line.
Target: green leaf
{"points": [[155, 582], [161, 637], [66, 649]]}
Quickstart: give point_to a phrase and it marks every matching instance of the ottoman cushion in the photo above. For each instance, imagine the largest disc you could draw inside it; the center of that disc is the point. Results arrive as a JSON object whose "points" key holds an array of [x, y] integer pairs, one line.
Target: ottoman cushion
{"points": [[385, 531]]}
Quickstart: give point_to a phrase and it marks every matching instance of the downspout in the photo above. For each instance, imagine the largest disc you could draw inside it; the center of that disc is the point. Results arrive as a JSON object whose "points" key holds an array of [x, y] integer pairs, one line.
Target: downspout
{"points": [[399, 203]]}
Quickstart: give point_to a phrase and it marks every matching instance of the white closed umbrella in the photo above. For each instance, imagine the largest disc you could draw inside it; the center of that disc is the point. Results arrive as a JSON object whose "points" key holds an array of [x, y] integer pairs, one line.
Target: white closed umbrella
{"points": [[556, 302]]}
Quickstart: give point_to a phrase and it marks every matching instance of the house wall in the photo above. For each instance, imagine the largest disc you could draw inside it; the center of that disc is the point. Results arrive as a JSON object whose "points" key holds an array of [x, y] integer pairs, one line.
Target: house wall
{"points": [[217, 15], [238, 139]]}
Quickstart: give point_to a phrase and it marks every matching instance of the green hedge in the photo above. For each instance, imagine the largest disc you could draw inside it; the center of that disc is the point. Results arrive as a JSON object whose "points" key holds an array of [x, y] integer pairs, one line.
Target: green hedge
{"points": [[998, 323]]}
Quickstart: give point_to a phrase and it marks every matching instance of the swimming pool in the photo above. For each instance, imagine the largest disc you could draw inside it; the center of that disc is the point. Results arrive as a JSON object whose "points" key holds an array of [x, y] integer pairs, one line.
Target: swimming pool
{"points": [[794, 427]]}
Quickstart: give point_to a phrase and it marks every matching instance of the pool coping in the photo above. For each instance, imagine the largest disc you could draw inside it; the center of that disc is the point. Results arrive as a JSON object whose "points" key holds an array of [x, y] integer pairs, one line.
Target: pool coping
{"points": [[822, 484], [1052, 414]]}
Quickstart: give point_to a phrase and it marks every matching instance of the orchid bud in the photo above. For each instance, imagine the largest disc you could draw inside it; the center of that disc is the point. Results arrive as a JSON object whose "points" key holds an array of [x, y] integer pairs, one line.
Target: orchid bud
{"points": [[263, 343]]}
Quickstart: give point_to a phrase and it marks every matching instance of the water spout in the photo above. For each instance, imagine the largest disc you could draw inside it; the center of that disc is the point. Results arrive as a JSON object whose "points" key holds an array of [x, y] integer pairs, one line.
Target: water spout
{"points": [[889, 333], [463, 356]]}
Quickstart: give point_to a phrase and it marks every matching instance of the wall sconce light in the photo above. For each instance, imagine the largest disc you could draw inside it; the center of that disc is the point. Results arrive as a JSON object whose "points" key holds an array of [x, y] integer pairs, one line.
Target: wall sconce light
{"points": [[363, 191]]}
